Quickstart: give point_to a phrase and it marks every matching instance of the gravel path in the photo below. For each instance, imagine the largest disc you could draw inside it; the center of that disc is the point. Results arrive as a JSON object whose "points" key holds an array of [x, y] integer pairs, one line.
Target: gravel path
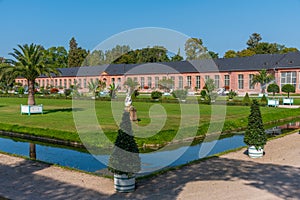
{"points": [[231, 176]]}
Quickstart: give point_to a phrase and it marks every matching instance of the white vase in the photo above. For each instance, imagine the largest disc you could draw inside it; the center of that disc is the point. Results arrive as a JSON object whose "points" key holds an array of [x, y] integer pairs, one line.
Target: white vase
{"points": [[124, 183], [255, 153]]}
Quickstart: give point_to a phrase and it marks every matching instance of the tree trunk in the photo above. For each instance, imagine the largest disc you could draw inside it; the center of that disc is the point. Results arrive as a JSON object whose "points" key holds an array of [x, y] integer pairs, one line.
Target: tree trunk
{"points": [[31, 100], [32, 151]]}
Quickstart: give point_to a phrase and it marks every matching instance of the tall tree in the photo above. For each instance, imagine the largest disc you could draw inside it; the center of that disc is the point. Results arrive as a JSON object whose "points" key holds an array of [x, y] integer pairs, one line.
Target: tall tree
{"points": [[95, 58], [213, 55], [58, 56], [245, 53], [194, 49], [253, 41], [30, 64], [230, 54], [177, 57], [116, 52], [263, 78], [76, 54]]}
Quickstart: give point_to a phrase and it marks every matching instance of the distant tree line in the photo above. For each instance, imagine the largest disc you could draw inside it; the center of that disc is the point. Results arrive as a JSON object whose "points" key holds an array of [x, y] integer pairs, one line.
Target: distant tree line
{"points": [[194, 50], [255, 46]]}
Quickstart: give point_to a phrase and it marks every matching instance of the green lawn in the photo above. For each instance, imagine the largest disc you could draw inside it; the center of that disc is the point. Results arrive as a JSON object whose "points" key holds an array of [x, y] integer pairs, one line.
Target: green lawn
{"points": [[58, 121]]}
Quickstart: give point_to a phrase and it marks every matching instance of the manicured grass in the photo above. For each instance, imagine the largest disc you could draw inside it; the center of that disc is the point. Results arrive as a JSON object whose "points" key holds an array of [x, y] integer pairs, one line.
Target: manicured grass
{"points": [[58, 122]]}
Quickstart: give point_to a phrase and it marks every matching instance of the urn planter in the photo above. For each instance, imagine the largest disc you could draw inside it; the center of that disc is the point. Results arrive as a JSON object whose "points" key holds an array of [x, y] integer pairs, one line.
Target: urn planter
{"points": [[255, 153], [124, 183]]}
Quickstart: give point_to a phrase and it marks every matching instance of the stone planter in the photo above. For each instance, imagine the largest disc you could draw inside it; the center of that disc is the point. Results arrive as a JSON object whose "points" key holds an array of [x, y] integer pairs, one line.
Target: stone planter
{"points": [[124, 183], [254, 153]]}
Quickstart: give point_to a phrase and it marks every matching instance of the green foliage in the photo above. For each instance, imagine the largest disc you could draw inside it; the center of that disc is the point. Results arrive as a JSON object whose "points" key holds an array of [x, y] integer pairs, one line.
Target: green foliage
{"points": [[57, 56], [230, 54], [125, 156], [180, 94], [245, 53], [67, 92], [213, 55], [131, 85], [263, 100], [76, 54], [254, 40], [274, 88], [262, 78], [203, 93], [177, 57], [30, 63], [166, 84], [156, 95], [144, 55], [112, 90], [288, 88], [231, 94], [246, 100], [255, 132], [21, 90], [195, 50]]}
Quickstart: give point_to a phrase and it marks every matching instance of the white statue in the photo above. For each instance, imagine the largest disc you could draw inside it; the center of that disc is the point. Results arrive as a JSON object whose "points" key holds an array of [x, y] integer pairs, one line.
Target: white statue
{"points": [[128, 100]]}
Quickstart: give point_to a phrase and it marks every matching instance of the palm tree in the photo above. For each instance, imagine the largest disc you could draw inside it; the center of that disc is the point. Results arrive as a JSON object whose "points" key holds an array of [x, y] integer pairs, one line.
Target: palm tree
{"points": [[131, 84], [263, 78], [29, 63]]}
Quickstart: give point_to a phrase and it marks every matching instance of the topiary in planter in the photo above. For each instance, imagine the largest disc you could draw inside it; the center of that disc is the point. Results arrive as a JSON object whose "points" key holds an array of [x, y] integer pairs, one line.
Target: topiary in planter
{"points": [[125, 156], [255, 133]]}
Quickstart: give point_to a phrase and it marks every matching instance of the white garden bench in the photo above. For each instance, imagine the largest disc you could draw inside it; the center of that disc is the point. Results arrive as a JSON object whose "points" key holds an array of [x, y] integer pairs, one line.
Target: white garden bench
{"points": [[273, 102], [34, 109], [288, 101]]}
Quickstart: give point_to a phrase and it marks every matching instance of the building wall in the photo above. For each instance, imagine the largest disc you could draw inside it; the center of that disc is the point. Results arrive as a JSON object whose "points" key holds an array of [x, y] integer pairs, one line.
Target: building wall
{"points": [[238, 80]]}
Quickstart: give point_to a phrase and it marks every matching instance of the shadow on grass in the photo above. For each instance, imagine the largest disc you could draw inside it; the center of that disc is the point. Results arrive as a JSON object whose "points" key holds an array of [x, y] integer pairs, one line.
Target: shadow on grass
{"points": [[46, 111]]}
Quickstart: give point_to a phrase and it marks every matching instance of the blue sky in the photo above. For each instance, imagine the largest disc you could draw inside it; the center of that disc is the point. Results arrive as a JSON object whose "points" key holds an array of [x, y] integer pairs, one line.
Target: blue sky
{"points": [[222, 24]]}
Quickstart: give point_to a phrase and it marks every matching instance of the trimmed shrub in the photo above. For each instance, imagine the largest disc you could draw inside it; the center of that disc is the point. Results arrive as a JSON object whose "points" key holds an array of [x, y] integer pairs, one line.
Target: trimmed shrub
{"points": [[263, 100], [255, 132], [288, 88], [156, 95], [246, 100], [125, 156]]}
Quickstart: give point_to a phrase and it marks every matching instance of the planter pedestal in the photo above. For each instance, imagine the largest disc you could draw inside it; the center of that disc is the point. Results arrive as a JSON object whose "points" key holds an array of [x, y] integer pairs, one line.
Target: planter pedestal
{"points": [[254, 153], [123, 183]]}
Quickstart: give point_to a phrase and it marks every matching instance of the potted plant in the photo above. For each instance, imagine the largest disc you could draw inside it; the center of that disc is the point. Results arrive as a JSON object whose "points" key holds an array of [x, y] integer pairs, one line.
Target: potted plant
{"points": [[255, 136], [231, 94], [288, 88], [124, 161]]}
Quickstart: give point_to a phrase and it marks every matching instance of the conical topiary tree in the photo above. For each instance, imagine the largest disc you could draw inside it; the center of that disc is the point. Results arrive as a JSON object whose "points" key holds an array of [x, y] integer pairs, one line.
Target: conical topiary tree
{"points": [[255, 133], [246, 100], [125, 156]]}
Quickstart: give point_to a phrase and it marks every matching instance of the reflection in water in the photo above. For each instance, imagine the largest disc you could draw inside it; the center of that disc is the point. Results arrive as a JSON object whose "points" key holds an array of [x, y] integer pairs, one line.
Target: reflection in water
{"points": [[32, 151]]}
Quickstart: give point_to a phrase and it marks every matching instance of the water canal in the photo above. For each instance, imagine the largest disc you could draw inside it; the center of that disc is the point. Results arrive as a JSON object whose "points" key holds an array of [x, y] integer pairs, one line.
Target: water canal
{"points": [[176, 155]]}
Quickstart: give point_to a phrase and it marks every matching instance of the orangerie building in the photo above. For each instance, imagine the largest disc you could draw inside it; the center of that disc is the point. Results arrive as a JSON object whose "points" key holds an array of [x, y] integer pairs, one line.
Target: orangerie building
{"points": [[229, 73]]}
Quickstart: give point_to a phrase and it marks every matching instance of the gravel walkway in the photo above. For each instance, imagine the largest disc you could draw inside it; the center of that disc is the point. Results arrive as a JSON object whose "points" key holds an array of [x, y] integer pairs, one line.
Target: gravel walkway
{"points": [[231, 176]]}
